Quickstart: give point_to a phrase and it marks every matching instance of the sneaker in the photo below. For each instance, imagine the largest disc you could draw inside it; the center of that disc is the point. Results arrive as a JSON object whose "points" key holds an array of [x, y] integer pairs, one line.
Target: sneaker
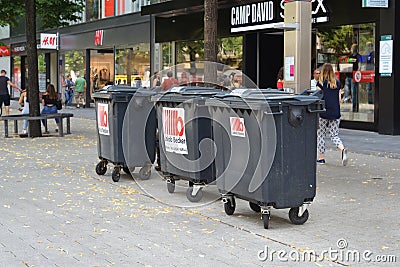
{"points": [[56, 130], [77, 106], [321, 161], [23, 131], [46, 132], [344, 157]]}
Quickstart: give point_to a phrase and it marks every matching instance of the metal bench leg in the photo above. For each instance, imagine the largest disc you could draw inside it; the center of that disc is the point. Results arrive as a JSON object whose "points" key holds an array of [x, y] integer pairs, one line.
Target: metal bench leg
{"points": [[61, 128], [15, 126], [68, 126], [45, 126], [6, 128]]}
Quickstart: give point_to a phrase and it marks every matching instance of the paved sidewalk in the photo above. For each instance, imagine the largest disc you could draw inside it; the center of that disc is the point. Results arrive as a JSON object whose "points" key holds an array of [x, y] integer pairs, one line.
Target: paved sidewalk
{"points": [[56, 211]]}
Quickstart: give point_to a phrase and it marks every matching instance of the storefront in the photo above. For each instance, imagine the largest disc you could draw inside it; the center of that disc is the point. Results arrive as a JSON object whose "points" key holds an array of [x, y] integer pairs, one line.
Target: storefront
{"points": [[345, 34], [109, 51]]}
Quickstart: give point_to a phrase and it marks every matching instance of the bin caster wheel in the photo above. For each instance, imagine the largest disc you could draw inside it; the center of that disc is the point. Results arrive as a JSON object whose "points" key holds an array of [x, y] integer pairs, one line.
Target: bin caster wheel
{"points": [[230, 206], [265, 217], [101, 168], [195, 198], [116, 175], [144, 174], [254, 207], [295, 218], [126, 170], [171, 186]]}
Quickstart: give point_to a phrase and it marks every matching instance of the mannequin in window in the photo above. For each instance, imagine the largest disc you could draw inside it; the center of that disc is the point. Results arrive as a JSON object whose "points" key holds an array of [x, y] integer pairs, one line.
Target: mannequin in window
{"points": [[354, 58], [104, 74], [370, 66]]}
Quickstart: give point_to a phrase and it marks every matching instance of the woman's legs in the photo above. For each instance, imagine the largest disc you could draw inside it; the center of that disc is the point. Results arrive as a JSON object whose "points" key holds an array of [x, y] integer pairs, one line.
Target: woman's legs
{"points": [[321, 133]]}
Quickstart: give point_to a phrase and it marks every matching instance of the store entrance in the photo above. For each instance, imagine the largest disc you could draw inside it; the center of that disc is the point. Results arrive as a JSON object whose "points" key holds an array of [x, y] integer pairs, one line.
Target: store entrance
{"points": [[101, 68], [270, 58]]}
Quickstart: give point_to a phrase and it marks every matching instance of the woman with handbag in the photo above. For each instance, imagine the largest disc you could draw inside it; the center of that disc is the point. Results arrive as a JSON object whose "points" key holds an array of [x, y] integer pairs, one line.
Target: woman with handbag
{"points": [[50, 101]]}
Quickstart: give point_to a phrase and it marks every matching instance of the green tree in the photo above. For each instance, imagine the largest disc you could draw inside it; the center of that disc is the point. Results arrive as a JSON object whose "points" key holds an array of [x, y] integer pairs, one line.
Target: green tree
{"points": [[337, 39], [52, 13]]}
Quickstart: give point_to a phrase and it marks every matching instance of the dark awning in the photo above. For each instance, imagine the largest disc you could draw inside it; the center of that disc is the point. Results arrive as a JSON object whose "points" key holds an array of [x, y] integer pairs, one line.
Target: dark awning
{"points": [[179, 7]]}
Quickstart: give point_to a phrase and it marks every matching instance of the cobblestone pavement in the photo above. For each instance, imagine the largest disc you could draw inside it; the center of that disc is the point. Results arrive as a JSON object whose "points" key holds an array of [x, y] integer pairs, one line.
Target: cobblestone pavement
{"points": [[56, 211]]}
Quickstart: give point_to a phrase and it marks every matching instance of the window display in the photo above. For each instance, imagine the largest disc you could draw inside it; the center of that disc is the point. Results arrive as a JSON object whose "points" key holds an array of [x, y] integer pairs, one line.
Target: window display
{"points": [[350, 49]]}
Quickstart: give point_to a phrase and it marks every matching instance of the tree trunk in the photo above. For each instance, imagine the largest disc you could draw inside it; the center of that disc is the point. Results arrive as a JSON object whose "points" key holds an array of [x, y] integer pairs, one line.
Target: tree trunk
{"points": [[210, 40], [33, 81]]}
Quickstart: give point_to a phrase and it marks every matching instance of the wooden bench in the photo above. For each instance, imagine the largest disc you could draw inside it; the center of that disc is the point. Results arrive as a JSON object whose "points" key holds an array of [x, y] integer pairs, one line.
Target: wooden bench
{"points": [[19, 117]]}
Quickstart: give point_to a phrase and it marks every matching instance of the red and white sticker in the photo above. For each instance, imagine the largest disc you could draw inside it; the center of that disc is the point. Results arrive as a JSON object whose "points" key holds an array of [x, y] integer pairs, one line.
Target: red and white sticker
{"points": [[102, 119], [237, 127], [174, 130]]}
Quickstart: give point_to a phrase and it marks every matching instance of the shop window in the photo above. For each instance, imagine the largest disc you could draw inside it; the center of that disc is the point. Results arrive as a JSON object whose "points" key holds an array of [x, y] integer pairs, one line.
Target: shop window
{"points": [[132, 66], [350, 49]]}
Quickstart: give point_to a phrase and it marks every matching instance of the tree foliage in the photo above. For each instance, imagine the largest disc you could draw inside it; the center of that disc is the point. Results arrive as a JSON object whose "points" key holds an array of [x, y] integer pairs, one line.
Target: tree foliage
{"points": [[51, 13]]}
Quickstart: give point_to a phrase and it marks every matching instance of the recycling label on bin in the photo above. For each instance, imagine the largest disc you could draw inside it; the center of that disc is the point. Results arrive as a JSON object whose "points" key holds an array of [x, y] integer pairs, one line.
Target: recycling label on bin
{"points": [[174, 130], [102, 119], [237, 127]]}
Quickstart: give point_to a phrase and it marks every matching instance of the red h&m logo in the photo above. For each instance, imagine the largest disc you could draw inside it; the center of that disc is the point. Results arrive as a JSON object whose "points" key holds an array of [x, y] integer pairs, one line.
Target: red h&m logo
{"points": [[98, 38], [173, 121], [237, 127], [4, 51]]}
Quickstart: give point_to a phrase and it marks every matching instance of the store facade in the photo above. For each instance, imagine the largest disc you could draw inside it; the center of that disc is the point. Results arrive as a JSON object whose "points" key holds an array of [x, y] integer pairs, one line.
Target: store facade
{"points": [[345, 34], [110, 50]]}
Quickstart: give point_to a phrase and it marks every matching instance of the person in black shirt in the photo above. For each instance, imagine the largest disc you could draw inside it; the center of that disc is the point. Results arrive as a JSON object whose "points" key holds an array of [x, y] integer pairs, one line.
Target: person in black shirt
{"points": [[354, 58], [49, 102], [4, 93], [330, 119]]}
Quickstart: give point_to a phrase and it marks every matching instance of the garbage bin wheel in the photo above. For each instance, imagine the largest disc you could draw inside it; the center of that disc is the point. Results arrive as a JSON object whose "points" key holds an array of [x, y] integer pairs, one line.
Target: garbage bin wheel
{"points": [[254, 207], [171, 186], [265, 217], [126, 170], [195, 198], [294, 216], [101, 168], [230, 206], [144, 173], [116, 174]]}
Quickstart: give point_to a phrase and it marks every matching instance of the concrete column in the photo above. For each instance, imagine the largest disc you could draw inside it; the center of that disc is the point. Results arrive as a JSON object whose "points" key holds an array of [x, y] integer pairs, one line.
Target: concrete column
{"points": [[297, 42]]}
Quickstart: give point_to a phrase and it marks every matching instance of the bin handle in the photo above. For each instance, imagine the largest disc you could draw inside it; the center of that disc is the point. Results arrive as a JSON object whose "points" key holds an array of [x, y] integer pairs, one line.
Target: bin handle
{"points": [[316, 110], [279, 112]]}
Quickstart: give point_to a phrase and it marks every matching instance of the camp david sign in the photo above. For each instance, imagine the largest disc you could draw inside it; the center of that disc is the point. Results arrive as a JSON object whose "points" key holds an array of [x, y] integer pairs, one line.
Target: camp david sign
{"points": [[263, 15]]}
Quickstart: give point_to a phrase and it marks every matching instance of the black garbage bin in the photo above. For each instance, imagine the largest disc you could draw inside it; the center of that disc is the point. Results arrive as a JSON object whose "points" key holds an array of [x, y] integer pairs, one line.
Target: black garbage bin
{"points": [[185, 138], [269, 145], [139, 132], [111, 104]]}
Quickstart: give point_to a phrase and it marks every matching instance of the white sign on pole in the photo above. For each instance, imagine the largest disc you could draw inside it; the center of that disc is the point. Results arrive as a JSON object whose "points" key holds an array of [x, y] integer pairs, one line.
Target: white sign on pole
{"points": [[375, 3], [48, 41], [386, 56], [289, 68]]}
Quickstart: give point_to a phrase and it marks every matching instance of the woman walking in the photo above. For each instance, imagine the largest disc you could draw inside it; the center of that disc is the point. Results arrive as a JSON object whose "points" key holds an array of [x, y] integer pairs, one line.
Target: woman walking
{"points": [[329, 120]]}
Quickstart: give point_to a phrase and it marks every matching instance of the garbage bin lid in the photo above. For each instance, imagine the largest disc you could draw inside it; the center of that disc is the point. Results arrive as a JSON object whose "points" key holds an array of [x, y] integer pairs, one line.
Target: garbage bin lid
{"points": [[193, 90], [270, 95], [117, 89]]}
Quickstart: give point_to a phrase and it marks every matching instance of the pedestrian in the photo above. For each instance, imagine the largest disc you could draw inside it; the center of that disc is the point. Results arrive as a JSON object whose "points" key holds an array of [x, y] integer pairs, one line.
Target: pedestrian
{"points": [[280, 79], [156, 80], [69, 90], [169, 82], [4, 92], [80, 87], [315, 79], [49, 103], [23, 101], [330, 119]]}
